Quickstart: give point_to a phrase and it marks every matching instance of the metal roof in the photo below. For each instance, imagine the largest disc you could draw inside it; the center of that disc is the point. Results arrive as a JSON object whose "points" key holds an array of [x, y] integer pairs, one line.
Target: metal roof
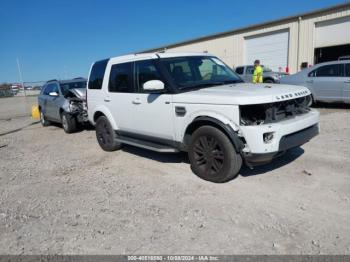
{"points": [[253, 26]]}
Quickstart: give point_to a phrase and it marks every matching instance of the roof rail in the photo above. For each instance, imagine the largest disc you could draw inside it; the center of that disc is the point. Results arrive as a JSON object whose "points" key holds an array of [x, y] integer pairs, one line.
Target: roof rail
{"points": [[52, 80]]}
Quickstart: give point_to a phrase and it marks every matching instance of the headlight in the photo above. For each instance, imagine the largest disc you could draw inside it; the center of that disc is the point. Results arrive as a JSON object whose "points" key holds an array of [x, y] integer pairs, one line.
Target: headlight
{"points": [[73, 107]]}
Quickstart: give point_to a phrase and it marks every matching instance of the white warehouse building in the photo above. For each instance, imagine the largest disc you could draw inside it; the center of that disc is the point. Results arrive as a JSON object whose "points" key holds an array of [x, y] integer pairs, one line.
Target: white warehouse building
{"points": [[287, 44]]}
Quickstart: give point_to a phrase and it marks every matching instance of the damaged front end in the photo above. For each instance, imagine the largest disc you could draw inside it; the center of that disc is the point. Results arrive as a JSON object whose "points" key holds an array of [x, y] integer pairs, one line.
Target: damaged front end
{"points": [[76, 100], [259, 114]]}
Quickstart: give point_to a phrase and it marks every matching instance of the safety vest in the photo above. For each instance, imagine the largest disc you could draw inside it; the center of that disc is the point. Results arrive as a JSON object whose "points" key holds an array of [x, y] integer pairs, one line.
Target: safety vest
{"points": [[258, 71]]}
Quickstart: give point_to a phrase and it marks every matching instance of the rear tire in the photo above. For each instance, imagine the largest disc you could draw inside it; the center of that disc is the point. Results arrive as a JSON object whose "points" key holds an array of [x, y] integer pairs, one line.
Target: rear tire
{"points": [[106, 136], [213, 156], [43, 120], [69, 123]]}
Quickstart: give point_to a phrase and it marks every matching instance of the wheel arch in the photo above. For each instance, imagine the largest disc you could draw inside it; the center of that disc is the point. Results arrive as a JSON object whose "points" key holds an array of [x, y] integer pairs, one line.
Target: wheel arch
{"points": [[268, 79], [102, 111], [210, 121]]}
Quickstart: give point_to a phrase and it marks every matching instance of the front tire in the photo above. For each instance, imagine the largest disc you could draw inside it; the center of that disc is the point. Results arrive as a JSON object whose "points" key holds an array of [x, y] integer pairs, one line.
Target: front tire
{"points": [[69, 123], [106, 136], [269, 81], [213, 156]]}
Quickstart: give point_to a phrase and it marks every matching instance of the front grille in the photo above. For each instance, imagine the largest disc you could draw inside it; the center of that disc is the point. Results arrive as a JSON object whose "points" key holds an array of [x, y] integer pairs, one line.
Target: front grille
{"points": [[273, 112]]}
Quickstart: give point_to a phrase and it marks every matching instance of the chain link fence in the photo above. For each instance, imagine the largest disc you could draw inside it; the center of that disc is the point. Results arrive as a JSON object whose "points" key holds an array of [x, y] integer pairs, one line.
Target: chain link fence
{"points": [[16, 90], [16, 101]]}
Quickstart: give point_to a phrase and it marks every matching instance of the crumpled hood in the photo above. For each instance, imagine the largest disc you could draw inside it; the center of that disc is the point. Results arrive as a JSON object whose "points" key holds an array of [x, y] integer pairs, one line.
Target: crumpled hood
{"points": [[79, 92], [242, 94]]}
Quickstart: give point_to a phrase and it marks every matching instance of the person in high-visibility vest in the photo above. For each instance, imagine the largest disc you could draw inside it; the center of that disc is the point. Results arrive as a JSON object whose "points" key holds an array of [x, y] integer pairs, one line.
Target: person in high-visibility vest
{"points": [[258, 72]]}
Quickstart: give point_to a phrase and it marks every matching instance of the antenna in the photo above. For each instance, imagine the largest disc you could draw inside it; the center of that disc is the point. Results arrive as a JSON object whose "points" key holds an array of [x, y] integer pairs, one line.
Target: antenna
{"points": [[20, 77]]}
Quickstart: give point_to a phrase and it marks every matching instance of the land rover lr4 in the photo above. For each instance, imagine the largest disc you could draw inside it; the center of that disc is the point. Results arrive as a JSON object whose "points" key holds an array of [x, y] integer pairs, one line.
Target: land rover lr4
{"points": [[171, 102]]}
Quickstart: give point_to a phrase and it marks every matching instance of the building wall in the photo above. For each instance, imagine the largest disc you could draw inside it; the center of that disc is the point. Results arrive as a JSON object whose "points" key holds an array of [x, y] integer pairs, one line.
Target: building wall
{"points": [[307, 33], [231, 48]]}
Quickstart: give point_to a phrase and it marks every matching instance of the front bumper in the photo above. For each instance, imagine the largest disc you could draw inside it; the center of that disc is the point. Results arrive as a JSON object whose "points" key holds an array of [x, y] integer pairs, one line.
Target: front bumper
{"points": [[287, 134], [287, 142]]}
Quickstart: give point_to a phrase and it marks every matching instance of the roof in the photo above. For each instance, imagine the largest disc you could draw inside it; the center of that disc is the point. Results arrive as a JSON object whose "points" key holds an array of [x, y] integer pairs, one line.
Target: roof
{"points": [[253, 26], [141, 56], [77, 79]]}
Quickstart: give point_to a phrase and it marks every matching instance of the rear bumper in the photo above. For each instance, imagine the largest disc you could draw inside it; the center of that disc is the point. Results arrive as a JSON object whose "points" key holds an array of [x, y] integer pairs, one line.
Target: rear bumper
{"points": [[286, 142]]}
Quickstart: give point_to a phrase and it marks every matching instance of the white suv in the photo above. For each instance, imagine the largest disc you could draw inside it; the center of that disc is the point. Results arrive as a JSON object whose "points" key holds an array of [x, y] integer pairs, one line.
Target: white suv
{"points": [[170, 102]]}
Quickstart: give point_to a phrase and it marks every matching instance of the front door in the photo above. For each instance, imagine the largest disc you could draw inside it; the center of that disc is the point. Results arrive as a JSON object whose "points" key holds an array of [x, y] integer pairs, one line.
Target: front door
{"points": [[52, 103], [327, 83], [153, 111]]}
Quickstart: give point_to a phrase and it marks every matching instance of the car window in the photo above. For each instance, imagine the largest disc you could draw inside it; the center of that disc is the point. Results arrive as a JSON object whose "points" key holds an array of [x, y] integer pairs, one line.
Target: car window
{"points": [[55, 88], [121, 78], [97, 73], [239, 70], [43, 89], [50, 88], [250, 70], [146, 71], [347, 70], [327, 71], [180, 71], [198, 71]]}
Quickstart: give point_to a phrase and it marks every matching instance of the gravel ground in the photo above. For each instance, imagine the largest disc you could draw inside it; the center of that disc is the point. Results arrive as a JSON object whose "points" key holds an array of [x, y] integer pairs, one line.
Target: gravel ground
{"points": [[61, 194]]}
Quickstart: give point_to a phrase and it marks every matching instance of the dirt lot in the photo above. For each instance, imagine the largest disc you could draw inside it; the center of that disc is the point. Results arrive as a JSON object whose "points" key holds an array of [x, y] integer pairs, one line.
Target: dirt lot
{"points": [[61, 194]]}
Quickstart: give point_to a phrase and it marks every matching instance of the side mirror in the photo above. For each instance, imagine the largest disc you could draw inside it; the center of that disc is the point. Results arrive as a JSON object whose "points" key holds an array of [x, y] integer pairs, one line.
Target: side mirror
{"points": [[153, 85], [53, 94]]}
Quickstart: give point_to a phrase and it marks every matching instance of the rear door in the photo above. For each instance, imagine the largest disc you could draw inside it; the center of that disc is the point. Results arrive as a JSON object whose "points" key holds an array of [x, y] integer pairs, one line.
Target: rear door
{"points": [[248, 76], [346, 87], [120, 95], [327, 82]]}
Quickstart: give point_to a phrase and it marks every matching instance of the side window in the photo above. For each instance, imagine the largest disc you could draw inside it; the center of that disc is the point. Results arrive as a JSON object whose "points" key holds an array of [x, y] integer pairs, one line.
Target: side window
{"points": [[327, 71], [43, 89], [250, 70], [347, 70], [48, 89], [96, 74], [180, 71], [121, 78], [146, 71], [55, 88], [239, 70]]}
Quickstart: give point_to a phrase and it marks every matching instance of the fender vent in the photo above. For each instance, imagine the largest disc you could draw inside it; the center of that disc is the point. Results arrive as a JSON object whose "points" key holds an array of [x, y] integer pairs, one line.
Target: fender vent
{"points": [[180, 110]]}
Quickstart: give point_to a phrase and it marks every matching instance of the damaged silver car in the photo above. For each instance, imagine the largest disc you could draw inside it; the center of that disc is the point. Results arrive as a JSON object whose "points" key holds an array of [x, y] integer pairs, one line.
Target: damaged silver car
{"points": [[64, 102]]}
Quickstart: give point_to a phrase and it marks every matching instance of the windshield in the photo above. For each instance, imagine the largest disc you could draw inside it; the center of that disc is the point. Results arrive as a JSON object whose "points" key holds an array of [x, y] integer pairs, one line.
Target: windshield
{"points": [[199, 71], [65, 87]]}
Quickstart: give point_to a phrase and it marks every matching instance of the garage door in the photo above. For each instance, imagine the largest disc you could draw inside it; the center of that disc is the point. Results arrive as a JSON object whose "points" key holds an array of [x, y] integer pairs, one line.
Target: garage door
{"points": [[333, 32], [270, 49]]}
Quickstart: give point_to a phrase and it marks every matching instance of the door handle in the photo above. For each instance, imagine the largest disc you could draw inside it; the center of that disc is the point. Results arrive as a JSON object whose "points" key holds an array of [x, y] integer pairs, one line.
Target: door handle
{"points": [[310, 81], [137, 101], [107, 100], [347, 82]]}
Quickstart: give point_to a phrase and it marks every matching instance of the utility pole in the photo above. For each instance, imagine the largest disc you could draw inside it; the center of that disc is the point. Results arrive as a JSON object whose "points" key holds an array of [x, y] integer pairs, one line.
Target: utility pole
{"points": [[20, 77]]}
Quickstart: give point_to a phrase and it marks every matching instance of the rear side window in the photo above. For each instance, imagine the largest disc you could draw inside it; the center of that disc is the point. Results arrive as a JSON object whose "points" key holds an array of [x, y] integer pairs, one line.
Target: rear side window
{"points": [[97, 73], [347, 70], [250, 70], [121, 78], [239, 70], [327, 71]]}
